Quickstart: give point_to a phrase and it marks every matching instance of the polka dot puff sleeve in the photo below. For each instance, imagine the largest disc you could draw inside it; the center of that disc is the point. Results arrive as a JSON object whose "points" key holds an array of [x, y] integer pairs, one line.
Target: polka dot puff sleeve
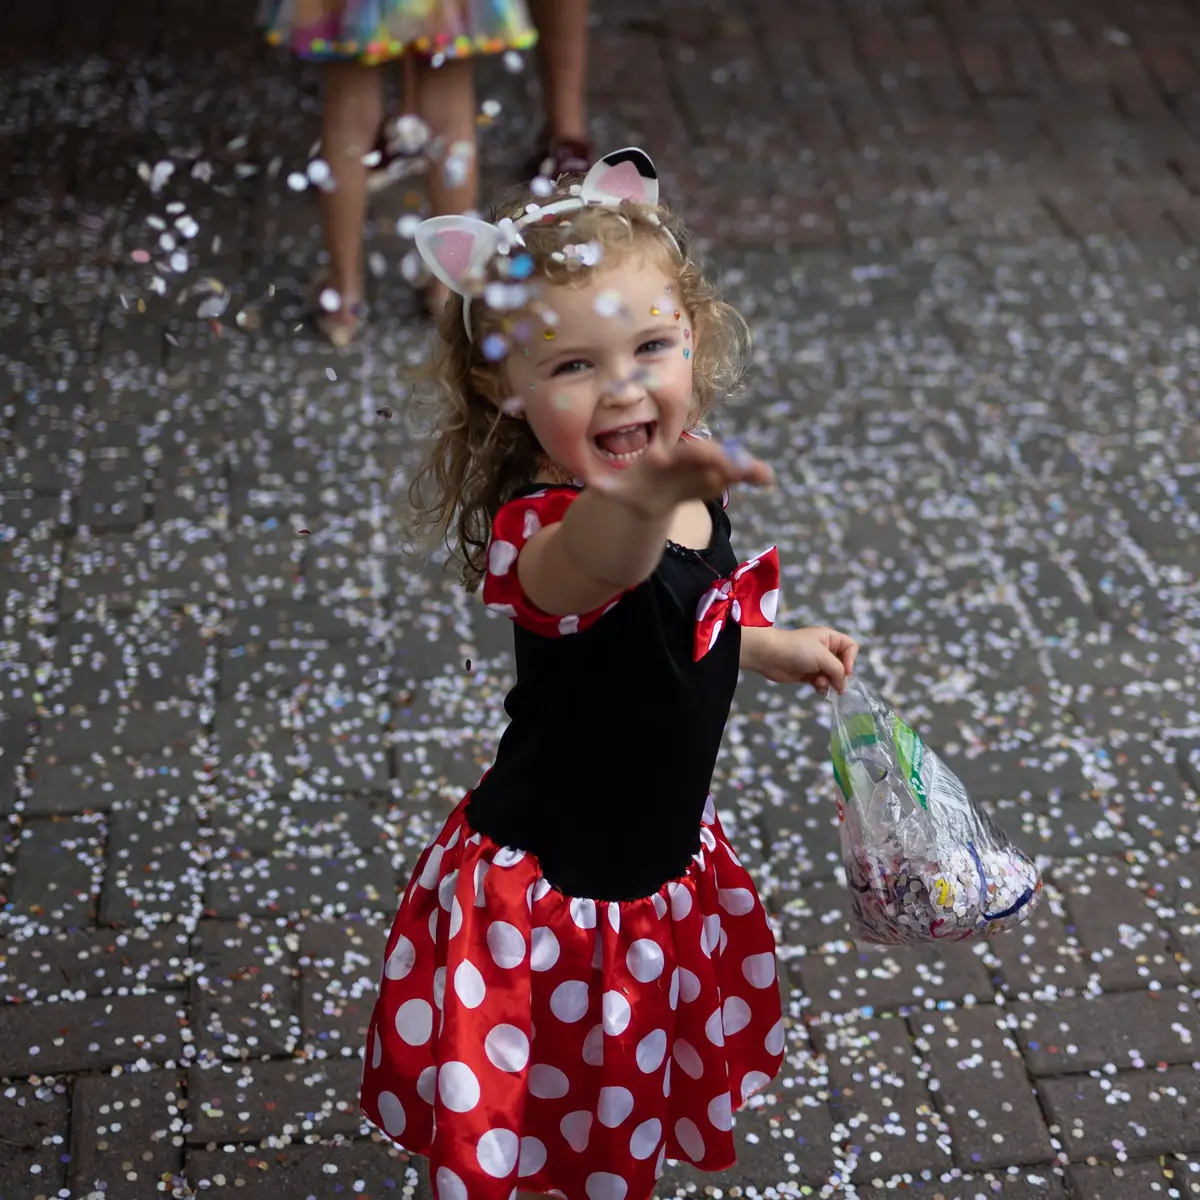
{"points": [[515, 523]]}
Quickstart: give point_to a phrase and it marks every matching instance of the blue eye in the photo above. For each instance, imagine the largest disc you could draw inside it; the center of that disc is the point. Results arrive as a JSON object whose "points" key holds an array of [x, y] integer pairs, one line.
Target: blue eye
{"points": [[570, 368]]}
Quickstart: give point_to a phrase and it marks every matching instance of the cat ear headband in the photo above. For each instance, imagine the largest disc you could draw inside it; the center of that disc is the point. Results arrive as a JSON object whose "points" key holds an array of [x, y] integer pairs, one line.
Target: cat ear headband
{"points": [[456, 249]]}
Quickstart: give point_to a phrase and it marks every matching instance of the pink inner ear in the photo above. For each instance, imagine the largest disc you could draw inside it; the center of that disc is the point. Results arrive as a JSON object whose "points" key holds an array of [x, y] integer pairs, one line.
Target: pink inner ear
{"points": [[622, 181], [452, 250]]}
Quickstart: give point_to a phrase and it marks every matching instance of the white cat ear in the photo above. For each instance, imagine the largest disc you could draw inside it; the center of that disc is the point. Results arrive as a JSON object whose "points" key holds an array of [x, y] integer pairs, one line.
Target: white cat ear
{"points": [[454, 248], [622, 175]]}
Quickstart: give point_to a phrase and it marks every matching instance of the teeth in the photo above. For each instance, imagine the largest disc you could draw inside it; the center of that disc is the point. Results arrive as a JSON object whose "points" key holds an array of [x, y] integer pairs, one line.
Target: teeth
{"points": [[621, 457]]}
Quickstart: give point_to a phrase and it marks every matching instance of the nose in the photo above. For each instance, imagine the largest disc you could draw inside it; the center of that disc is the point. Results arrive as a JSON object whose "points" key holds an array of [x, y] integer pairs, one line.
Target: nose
{"points": [[625, 388]]}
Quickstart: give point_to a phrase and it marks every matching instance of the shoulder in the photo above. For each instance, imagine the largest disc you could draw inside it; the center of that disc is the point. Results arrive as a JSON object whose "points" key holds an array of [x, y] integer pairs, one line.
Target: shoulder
{"points": [[516, 523], [518, 519]]}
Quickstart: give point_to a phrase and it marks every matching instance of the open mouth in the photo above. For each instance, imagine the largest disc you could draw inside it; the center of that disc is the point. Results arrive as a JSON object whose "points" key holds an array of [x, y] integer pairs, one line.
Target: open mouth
{"points": [[626, 445]]}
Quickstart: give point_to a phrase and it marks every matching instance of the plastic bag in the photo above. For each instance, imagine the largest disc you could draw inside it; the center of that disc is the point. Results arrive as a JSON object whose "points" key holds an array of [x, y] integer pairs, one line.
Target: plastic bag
{"points": [[923, 861]]}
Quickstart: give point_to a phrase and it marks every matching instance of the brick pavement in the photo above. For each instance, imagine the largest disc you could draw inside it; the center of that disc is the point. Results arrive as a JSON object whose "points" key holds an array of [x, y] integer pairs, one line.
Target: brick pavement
{"points": [[966, 235]]}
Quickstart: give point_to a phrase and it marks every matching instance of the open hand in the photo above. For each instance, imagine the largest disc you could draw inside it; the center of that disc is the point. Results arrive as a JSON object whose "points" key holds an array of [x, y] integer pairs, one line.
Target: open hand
{"points": [[819, 656], [666, 477]]}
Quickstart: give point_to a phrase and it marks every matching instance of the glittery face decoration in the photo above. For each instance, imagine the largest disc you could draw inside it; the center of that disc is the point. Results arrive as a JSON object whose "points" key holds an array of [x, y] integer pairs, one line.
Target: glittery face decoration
{"points": [[655, 311], [686, 352], [549, 334]]}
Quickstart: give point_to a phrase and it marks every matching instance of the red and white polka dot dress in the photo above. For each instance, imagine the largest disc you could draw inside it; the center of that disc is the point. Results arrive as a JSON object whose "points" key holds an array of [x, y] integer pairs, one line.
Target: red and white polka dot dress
{"points": [[527, 1039]]}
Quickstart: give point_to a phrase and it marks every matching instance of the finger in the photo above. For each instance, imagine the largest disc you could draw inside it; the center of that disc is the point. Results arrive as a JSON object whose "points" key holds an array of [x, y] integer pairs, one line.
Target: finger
{"points": [[843, 645], [821, 683], [743, 466], [850, 656], [831, 667]]}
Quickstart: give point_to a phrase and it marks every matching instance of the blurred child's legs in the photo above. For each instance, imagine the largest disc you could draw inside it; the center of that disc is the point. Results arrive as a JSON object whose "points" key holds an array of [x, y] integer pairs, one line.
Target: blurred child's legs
{"points": [[562, 64], [445, 100], [353, 109]]}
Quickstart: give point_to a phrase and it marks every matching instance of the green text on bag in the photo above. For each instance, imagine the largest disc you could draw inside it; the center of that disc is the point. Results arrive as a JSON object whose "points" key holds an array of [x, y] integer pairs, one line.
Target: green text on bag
{"points": [[910, 750]]}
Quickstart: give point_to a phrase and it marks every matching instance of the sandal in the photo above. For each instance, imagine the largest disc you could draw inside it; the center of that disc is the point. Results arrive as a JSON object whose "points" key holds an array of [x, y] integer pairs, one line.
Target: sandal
{"points": [[399, 152], [341, 325], [562, 156]]}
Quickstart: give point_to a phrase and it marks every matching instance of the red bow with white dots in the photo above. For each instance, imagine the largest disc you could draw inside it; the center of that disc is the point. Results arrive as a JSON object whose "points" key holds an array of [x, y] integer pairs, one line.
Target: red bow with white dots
{"points": [[750, 596]]}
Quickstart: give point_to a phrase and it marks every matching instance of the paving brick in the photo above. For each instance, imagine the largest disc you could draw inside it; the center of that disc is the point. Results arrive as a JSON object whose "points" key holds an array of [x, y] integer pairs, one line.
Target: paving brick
{"points": [[1008, 775], [1039, 957], [440, 772], [126, 731], [816, 915], [1127, 1181], [878, 1090], [94, 663], [270, 672], [1125, 1030], [1123, 944], [1016, 1184], [338, 559], [263, 563], [97, 784], [123, 1133], [312, 827], [189, 490], [301, 886], [34, 1119], [155, 868], [1062, 827], [40, 453], [981, 1085], [57, 872], [1098, 1115], [802, 843], [343, 744], [113, 489], [97, 962], [88, 1034], [244, 990], [282, 620], [173, 659], [250, 1101], [122, 571], [364, 1168], [889, 978], [341, 963], [256, 741]]}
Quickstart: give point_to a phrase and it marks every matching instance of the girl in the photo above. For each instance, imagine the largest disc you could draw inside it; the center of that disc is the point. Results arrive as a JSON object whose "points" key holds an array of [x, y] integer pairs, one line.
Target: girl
{"points": [[352, 37], [580, 981]]}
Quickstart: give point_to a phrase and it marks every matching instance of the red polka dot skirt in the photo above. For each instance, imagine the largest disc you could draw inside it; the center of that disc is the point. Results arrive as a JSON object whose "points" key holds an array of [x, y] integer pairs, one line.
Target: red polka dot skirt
{"points": [[527, 1039]]}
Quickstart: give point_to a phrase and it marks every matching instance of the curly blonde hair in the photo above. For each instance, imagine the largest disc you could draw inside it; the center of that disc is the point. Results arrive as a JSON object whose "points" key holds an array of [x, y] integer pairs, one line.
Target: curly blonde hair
{"points": [[477, 455]]}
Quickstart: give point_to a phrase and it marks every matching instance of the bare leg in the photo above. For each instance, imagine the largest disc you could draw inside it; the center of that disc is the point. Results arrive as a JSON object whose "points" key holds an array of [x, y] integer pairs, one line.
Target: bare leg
{"points": [[446, 102], [353, 110], [408, 101], [562, 62]]}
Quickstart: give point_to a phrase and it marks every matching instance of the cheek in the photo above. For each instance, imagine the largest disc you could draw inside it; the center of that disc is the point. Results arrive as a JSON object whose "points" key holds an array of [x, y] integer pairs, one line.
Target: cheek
{"points": [[557, 414]]}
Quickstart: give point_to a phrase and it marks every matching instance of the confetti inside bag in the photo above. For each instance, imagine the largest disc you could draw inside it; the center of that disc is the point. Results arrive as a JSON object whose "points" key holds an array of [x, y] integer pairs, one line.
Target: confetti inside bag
{"points": [[923, 861]]}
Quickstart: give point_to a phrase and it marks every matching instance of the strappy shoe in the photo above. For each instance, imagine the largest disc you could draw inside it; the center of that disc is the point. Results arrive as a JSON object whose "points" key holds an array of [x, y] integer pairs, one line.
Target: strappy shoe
{"points": [[562, 156], [398, 153], [342, 325]]}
